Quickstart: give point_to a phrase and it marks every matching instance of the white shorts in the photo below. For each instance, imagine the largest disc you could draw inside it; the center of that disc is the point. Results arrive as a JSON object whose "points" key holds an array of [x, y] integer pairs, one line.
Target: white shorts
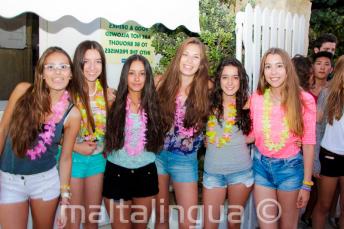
{"points": [[20, 188]]}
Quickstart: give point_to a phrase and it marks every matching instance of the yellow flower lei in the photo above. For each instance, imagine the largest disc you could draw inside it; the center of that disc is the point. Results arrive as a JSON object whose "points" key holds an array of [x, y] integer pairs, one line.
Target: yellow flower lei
{"points": [[267, 106], [227, 130], [99, 117]]}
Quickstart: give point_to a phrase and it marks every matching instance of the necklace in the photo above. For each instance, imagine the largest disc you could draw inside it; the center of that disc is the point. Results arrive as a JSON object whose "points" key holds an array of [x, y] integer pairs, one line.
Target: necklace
{"points": [[267, 107], [179, 119], [129, 147], [229, 122], [99, 116], [45, 138], [93, 93]]}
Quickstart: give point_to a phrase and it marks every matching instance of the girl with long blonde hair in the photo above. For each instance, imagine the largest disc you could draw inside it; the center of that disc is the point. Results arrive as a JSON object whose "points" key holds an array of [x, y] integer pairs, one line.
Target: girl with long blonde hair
{"points": [[282, 114]]}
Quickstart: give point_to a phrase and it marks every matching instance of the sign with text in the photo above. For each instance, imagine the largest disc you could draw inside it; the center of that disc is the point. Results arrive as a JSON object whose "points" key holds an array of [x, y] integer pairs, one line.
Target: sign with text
{"points": [[121, 41]]}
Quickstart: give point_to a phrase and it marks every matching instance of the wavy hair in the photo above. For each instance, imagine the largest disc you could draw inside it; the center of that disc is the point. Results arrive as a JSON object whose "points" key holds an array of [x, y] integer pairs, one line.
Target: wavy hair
{"points": [[115, 124], [197, 103], [335, 99], [291, 91], [33, 106], [243, 120], [78, 73], [303, 68]]}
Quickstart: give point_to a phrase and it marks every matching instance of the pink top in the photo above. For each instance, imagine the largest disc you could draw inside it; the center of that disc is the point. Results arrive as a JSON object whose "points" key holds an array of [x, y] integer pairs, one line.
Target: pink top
{"points": [[277, 113]]}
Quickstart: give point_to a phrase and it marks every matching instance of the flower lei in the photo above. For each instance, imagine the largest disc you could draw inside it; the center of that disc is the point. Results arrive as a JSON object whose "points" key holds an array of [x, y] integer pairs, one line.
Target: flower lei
{"points": [[47, 135], [99, 117], [179, 119], [227, 130], [129, 129], [267, 106]]}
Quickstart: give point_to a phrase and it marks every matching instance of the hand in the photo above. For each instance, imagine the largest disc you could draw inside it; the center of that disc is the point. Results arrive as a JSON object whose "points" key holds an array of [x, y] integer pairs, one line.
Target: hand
{"points": [[316, 175], [61, 220], [298, 143], [249, 139], [302, 198], [86, 148], [110, 94]]}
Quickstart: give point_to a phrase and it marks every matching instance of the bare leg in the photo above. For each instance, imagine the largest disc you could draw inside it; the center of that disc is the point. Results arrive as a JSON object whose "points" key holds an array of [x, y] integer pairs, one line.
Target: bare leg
{"points": [[186, 195], [212, 201], [43, 213], [141, 211], [262, 193], [290, 213], [14, 215], [93, 198], [162, 203], [327, 188], [237, 197], [119, 213]]}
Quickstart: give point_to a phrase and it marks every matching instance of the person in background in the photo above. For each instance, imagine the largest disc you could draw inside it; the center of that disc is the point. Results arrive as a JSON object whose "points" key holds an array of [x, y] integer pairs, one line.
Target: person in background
{"points": [[332, 148]]}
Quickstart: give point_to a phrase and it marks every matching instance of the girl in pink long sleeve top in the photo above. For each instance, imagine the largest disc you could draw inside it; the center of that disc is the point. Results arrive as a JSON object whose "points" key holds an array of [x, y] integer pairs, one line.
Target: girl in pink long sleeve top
{"points": [[282, 114]]}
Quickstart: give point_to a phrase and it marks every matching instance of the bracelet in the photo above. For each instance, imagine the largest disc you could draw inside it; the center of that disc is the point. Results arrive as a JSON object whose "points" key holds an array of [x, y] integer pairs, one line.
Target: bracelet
{"points": [[65, 187], [306, 188], [308, 183], [66, 195]]}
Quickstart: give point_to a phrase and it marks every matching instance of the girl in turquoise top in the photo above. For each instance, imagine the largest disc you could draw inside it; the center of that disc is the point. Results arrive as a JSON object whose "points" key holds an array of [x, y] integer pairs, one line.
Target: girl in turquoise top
{"points": [[133, 136]]}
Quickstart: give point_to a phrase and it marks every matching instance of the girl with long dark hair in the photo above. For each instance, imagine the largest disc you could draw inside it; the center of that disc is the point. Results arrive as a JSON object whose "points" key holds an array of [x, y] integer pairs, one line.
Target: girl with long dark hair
{"points": [[227, 163], [133, 136]]}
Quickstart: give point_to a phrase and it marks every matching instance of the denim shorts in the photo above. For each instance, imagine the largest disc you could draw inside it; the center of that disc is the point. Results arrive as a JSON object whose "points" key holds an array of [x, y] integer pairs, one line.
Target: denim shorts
{"points": [[213, 180], [284, 174], [87, 165], [16, 188], [180, 167]]}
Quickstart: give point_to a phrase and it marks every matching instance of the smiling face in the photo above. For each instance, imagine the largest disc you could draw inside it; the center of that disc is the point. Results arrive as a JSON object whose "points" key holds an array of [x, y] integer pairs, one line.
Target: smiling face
{"points": [[229, 81], [136, 77], [190, 60], [274, 71], [56, 71], [92, 65]]}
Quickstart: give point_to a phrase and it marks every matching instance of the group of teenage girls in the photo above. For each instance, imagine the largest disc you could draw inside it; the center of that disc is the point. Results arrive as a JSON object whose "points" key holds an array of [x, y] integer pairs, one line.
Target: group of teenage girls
{"points": [[127, 147]]}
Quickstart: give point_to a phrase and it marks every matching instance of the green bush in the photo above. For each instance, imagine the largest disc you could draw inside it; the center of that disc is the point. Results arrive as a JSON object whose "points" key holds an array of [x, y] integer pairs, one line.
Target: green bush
{"points": [[217, 22]]}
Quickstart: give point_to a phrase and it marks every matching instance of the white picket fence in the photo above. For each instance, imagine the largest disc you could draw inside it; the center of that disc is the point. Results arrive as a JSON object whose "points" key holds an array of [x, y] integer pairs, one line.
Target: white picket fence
{"points": [[259, 29]]}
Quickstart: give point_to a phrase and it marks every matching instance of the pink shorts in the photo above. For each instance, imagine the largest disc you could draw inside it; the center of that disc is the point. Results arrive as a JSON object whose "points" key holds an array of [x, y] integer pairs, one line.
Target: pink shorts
{"points": [[20, 188]]}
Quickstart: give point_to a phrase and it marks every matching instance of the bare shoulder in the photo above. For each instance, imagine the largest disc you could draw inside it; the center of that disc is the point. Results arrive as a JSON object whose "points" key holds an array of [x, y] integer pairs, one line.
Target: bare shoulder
{"points": [[75, 114], [20, 89]]}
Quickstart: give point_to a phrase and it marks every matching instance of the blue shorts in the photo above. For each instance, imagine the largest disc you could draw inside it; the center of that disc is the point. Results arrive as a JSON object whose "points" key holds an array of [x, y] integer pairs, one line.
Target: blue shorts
{"points": [[213, 180], [180, 167], [87, 165], [284, 174]]}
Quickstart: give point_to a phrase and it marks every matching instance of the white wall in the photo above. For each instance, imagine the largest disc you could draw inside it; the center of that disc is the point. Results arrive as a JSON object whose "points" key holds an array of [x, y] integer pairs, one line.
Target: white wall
{"points": [[67, 33]]}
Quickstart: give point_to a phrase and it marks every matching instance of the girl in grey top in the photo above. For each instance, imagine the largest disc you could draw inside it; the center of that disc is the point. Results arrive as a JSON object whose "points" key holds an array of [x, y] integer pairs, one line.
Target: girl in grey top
{"points": [[227, 165]]}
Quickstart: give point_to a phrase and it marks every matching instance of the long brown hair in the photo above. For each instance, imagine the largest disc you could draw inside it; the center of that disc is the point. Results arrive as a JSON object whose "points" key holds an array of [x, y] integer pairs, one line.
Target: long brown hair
{"points": [[335, 99], [78, 73], [33, 106], [291, 91], [197, 104], [115, 127]]}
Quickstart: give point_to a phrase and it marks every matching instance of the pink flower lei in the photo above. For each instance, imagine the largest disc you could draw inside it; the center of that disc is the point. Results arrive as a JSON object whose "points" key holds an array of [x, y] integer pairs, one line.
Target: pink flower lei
{"points": [[47, 135], [131, 149], [179, 119]]}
